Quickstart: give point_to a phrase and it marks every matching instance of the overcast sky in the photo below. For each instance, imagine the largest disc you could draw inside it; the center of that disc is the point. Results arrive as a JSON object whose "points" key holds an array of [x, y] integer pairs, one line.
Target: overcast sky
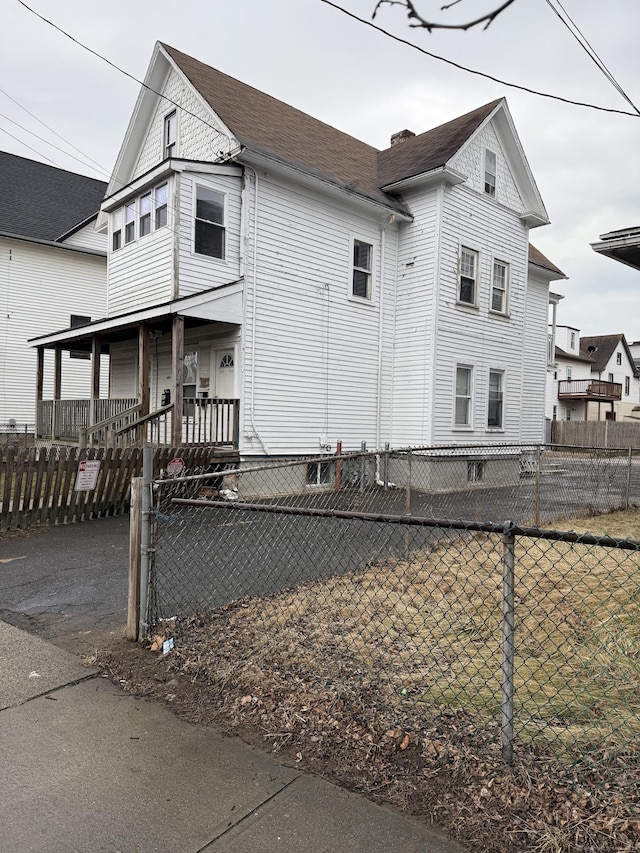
{"points": [[586, 163]]}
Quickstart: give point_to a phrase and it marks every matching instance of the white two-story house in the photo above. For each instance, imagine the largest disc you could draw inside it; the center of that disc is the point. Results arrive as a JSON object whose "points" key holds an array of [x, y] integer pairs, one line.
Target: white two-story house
{"points": [[279, 285]]}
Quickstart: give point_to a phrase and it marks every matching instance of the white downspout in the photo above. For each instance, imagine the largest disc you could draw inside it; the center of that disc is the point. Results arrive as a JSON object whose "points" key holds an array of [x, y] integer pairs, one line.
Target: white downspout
{"points": [[383, 234], [254, 277]]}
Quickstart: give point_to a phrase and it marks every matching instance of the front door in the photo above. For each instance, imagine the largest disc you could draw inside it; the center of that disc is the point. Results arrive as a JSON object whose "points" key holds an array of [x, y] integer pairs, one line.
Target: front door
{"points": [[224, 374]]}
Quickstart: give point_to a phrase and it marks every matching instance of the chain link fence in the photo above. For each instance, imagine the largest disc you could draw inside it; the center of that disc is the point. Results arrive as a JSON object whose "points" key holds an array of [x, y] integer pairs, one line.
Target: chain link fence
{"points": [[420, 583]]}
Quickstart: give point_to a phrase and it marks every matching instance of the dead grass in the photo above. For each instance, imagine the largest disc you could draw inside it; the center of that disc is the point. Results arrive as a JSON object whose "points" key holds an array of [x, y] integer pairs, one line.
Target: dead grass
{"points": [[389, 680]]}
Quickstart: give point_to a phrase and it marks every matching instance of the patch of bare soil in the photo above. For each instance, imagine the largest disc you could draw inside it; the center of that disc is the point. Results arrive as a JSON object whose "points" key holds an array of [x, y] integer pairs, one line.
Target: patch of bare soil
{"points": [[438, 763]]}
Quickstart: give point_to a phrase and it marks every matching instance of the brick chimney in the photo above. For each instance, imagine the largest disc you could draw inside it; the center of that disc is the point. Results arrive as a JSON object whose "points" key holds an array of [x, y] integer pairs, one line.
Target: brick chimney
{"points": [[401, 136]]}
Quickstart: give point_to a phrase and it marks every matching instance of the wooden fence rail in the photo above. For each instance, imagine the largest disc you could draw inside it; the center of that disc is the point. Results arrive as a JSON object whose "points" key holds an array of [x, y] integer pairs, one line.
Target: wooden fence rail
{"points": [[38, 485], [609, 434]]}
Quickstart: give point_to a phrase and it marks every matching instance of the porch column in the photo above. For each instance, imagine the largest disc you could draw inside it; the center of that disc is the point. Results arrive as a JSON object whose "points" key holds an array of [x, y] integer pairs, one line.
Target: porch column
{"points": [[96, 347], [39, 390], [144, 365], [57, 390], [177, 348]]}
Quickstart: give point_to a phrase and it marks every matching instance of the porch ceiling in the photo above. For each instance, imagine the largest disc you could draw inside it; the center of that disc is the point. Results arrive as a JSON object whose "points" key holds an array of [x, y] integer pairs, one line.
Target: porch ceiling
{"points": [[220, 304]]}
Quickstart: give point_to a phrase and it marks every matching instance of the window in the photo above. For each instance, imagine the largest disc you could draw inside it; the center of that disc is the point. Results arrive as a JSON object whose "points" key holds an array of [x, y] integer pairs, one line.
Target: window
{"points": [[145, 215], [611, 377], [618, 358], [490, 164], [475, 472], [361, 274], [77, 320], [627, 385], [573, 340], [170, 134], [555, 413], [496, 393], [464, 377], [568, 374], [209, 227], [319, 473], [130, 222], [160, 198], [499, 284], [467, 284]]}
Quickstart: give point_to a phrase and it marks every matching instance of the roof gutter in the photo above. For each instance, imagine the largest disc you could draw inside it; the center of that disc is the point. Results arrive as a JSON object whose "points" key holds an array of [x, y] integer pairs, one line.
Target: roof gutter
{"points": [[53, 244]]}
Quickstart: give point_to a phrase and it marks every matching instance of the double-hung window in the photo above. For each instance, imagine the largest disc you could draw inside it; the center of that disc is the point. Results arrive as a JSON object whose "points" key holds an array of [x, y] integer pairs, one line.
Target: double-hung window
{"points": [[464, 390], [170, 134], [209, 225], [160, 199], [467, 284], [130, 222], [490, 169], [144, 223], [499, 287], [495, 413], [362, 268]]}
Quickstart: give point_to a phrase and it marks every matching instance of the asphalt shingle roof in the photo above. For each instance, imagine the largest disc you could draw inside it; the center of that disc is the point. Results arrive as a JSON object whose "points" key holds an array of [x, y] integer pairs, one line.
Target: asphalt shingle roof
{"points": [[43, 202], [536, 257]]}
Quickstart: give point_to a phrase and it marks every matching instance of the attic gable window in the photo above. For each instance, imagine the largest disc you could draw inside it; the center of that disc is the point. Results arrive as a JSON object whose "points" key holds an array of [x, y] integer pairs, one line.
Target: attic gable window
{"points": [[361, 273], [170, 134], [490, 169], [209, 223]]}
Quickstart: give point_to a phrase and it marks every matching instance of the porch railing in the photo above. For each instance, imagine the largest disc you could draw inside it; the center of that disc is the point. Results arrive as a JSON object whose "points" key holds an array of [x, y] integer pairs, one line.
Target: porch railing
{"points": [[205, 421], [589, 389]]}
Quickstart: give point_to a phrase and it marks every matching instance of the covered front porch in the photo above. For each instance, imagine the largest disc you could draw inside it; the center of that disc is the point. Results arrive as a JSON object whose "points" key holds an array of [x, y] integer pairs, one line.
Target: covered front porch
{"points": [[162, 392]]}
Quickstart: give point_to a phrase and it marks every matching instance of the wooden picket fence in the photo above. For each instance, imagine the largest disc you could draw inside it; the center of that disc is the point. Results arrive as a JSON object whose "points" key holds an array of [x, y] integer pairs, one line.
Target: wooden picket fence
{"points": [[38, 485]]}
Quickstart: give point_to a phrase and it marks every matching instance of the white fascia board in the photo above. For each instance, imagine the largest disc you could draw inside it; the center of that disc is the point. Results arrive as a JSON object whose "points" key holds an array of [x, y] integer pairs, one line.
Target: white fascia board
{"points": [[275, 166], [546, 273], [224, 304], [444, 174], [165, 170]]}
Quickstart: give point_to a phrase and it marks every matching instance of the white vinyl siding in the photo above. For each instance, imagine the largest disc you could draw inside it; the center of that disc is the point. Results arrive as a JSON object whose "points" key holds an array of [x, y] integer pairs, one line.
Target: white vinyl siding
{"points": [[316, 350], [87, 238], [41, 287], [481, 338]]}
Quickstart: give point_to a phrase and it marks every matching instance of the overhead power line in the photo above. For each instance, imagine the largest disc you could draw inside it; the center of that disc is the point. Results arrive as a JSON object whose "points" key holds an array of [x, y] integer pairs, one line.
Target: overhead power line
{"points": [[472, 70]]}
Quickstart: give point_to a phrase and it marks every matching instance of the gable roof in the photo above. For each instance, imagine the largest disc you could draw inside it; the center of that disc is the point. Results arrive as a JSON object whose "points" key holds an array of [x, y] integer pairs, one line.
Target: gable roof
{"points": [[431, 149], [539, 260], [43, 202], [265, 125], [604, 347]]}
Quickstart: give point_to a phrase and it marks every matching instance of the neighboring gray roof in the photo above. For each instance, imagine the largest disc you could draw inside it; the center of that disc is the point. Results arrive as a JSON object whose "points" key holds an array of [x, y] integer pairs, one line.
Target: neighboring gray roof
{"points": [[42, 202], [604, 347], [571, 356], [622, 245]]}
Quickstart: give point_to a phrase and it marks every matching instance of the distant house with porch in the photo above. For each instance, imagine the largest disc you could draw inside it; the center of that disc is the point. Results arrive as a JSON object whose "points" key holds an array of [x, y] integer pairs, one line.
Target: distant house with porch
{"points": [[53, 272], [594, 378], [280, 286]]}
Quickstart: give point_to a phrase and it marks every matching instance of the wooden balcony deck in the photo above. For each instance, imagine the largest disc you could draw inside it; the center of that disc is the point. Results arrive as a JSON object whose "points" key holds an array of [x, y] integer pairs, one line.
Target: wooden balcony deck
{"points": [[589, 389]]}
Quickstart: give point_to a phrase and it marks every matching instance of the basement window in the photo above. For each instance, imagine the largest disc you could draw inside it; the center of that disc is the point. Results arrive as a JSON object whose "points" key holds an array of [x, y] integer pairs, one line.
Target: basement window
{"points": [[319, 474], [475, 472]]}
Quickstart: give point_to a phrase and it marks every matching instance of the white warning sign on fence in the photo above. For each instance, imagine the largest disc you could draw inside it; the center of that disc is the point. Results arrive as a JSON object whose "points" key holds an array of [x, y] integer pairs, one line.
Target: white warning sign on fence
{"points": [[87, 475]]}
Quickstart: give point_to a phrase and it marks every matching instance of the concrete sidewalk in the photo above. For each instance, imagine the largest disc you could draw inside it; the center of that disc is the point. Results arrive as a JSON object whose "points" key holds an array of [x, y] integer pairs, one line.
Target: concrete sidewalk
{"points": [[86, 767]]}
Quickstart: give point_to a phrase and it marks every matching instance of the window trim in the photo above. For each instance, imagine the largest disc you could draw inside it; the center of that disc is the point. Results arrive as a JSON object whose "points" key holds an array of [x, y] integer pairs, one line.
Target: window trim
{"points": [[222, 226], [134, 229], [365, 241], [504, 311], [476, 254], [130, 224], [467, 426], [144, 218], [170, 146], [496, 371], [490, 185]]}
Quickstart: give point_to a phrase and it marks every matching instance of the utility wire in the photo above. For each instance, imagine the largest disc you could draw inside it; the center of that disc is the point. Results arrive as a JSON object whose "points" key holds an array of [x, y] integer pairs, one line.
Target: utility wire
{"points": [[122, 70], [471, 70], [51, 130], [30, 147], [582, 40]]}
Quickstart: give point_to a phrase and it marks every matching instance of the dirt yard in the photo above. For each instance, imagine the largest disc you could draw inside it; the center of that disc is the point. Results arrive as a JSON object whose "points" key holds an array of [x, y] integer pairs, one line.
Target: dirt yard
{"points": [[384, 681]]}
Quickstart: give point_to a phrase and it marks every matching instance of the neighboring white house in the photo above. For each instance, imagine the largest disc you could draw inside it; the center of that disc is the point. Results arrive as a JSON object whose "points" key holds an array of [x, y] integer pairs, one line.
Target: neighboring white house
{"points": [[594, 378], [338, 292], [52, 274]]}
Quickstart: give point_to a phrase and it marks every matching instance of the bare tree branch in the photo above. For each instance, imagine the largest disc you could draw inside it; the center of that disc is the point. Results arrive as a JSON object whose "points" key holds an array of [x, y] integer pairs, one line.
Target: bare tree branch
{"points": [[417, 20]]}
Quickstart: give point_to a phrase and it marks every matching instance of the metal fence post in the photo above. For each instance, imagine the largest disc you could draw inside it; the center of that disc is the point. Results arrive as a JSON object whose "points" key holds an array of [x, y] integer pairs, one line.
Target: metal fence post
{"points": [[407, 494], [135, 531], [363, 448], [385, 466], [508, 641], [145, 537], [627, 497], [538, 473]]}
